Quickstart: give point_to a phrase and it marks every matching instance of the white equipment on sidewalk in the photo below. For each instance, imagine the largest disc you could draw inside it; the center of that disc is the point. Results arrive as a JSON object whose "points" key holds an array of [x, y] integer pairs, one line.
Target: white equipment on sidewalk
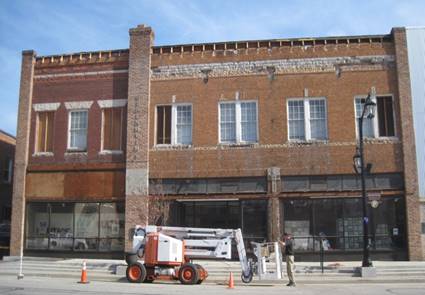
{"points": [[268, 253], [164, 252]]}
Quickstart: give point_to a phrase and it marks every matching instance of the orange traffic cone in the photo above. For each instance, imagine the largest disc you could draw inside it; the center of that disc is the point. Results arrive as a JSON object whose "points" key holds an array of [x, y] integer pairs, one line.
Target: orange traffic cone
{"points": [[84, 274], [231, 282]]}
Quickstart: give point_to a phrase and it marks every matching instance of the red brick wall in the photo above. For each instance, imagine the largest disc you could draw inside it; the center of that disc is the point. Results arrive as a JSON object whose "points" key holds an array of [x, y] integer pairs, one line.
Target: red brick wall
{"points": [[206, 160], [77, 89]]}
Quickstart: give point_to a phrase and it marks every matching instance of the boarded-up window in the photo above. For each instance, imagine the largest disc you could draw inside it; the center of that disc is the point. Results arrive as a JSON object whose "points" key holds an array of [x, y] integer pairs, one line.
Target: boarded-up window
{"points": [[45, 123], [385, 116], [163, 125], [112, 129]]}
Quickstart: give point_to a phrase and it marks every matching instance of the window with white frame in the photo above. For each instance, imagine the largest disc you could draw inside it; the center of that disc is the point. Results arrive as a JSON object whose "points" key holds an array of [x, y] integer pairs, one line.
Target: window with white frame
{"points": [[307, 119], [174, 124], [77, 137], [183, 124], [382, 124], [238, 122]]}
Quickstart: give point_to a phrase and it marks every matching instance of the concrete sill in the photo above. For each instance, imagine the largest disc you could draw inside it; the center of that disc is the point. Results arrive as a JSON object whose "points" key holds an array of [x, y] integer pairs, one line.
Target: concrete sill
{"points": [[308, 142], [237, 145], [172, 147], [75, 153], [43, 154], [108, 152]]}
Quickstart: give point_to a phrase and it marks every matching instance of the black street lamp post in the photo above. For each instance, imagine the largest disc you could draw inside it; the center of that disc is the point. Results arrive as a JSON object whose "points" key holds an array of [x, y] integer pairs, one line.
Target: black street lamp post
{"points": [[358, 159]]}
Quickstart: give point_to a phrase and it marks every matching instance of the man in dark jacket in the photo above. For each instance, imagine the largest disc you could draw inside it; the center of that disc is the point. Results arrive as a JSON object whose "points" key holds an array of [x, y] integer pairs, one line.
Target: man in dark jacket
{"points": [[288, 243]]}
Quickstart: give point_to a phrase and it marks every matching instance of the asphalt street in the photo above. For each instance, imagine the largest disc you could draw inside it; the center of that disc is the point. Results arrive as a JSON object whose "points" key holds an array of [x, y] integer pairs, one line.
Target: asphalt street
{"points": [[9, 285]]}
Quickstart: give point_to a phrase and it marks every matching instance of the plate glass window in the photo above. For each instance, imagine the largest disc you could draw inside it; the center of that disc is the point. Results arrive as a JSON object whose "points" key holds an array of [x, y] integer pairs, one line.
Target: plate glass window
{"points": [[318, 119], [227, 122], [296, 120], [368, 128], [238, 122], [248, 121], [307, 119], [78, 130], [184, 124]]}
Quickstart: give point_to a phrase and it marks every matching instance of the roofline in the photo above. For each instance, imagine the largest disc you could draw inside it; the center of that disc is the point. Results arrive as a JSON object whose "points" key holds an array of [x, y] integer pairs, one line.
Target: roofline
{"points": [[378, 36], [291, 40], [8, 134]]}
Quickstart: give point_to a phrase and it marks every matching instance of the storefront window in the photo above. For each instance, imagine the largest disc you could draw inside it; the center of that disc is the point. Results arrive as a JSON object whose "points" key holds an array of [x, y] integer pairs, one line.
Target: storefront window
{"points": [[254, 219], [388, 228], [86, 226], [327, 212], [75, 226], [37, 226], [298, 222], [338, 224], [350, 227], [61, 226], [112, 222]]}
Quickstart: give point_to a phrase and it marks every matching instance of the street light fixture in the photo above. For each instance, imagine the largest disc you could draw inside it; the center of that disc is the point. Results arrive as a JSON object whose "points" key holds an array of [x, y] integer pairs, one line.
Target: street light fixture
{"points": [[358, 163]]}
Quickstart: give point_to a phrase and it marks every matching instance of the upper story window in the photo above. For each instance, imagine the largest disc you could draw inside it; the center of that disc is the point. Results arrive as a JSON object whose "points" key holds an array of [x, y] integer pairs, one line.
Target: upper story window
{"points": [[45, 127], [238, 122], [307, 119], [77, 136], [112, 128], [7, 170], [382, 125], [174, 124]]}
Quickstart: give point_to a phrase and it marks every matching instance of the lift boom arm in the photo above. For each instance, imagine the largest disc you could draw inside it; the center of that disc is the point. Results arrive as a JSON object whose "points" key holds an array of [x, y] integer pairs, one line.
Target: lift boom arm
{"points": [[206, 243]]}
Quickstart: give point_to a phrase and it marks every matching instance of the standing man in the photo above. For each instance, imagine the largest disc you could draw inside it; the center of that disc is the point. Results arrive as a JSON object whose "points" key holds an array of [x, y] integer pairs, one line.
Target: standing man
{"points": [[288, 243]]}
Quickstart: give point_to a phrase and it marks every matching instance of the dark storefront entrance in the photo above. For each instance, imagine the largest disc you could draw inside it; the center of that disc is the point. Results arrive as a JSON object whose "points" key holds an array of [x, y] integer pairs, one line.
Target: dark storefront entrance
{"points": [[249, 215], [338, 221]]}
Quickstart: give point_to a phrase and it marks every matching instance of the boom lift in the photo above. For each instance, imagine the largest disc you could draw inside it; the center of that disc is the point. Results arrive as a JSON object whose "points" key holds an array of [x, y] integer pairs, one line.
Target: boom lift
{"points": [[164, 252]]}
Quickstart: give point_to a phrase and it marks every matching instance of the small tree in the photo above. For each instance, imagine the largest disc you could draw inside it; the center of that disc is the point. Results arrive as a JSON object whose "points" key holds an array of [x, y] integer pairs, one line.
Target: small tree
{"points": [[159, 207]]}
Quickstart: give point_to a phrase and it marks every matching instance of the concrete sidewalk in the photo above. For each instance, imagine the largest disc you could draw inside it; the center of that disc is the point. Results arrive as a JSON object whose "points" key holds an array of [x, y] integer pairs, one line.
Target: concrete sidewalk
{"points": [[306, 272]]}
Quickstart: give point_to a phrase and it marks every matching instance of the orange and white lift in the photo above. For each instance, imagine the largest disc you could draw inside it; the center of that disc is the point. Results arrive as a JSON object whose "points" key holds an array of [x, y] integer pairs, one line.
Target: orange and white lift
{"points": [[165, 253]]}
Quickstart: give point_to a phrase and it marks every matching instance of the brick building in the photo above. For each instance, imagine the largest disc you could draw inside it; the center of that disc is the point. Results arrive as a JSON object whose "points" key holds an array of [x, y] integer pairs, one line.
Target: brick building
{"points": [[7, 153], [252, 134]]}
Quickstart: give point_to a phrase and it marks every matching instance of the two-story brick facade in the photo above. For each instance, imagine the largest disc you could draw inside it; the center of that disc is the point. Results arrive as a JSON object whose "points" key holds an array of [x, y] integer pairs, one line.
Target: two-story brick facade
{"points": [[252, 134]]}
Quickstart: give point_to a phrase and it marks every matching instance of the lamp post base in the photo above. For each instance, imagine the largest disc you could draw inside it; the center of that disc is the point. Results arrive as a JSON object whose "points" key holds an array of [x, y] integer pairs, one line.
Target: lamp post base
{"points": [[367, 272]]}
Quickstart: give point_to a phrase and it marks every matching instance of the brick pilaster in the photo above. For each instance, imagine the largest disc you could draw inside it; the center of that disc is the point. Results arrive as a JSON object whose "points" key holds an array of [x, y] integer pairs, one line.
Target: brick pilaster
{"points": [[137, 165], [273, 217], [407, 137], [21, 154]]}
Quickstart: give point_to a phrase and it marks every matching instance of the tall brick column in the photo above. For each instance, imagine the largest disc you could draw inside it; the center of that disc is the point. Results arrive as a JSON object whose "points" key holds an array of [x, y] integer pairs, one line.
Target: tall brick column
{"points": [[273, 190], [137, 166], [407, 137], [21, 153]]}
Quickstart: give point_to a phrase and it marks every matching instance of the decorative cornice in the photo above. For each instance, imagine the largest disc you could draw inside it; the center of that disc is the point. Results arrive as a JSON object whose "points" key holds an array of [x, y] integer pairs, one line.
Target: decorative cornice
{"points": [[43, 107], [279, 66], [298, 145], [73, 105], [112, 103], [246, 68]]}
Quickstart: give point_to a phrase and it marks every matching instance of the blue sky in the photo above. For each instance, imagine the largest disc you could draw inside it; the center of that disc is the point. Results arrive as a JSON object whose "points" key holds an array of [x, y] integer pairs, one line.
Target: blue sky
{"points": [[60, 26]]}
